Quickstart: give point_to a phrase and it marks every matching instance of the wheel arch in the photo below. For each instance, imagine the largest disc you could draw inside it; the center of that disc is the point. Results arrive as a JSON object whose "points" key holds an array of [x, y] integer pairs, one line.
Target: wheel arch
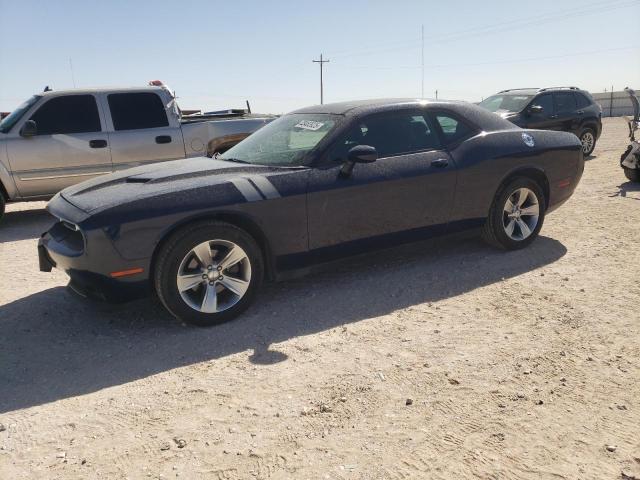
{"points": [[3, 191], [239, 220], [534, 173]]}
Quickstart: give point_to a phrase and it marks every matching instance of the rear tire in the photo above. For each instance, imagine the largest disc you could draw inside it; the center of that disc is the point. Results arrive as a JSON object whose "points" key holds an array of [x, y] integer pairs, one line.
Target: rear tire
{"points": [[632, 174], [2, 205], [208, 273], [516, 215], [588, 140]]}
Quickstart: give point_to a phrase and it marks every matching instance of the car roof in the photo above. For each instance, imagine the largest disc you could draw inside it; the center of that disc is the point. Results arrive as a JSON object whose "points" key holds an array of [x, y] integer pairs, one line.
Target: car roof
{"points": [[81, 91], [535, 91], [367, 106], [474, 114]]}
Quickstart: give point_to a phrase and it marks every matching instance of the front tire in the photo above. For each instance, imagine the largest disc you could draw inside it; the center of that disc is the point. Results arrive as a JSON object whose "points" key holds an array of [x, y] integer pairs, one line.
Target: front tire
{"points": [[516, 215], [588, 140], [208, 273], [632, 174]]}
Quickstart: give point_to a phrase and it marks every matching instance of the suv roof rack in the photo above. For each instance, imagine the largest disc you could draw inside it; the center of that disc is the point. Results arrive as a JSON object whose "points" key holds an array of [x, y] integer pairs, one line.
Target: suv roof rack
{"points": [[558, 88], [512, 89]]}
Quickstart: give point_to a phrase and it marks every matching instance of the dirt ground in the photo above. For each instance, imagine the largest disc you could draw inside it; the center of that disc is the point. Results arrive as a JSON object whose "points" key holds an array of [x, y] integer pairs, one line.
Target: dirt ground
{"points": [[442, 360]]}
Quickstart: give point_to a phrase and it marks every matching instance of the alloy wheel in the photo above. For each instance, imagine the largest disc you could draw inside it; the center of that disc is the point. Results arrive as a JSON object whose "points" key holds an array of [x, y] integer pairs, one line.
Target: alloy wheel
{"points": [[214, 276], [520, 214], [587, 142]]}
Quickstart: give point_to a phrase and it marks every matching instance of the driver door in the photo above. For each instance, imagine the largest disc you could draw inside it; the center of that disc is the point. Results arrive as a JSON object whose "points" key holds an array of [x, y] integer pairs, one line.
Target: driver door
{"points": [[70, 146], [406, 193]]}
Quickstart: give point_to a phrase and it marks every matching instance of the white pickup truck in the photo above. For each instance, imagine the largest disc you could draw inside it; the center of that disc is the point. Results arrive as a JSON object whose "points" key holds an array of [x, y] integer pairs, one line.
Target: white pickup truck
{"points": [[58, 138]]}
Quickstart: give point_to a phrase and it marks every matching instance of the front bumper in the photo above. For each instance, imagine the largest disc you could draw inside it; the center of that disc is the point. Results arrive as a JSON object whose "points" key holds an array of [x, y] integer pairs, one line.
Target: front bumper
{"points": [[91, 264]]}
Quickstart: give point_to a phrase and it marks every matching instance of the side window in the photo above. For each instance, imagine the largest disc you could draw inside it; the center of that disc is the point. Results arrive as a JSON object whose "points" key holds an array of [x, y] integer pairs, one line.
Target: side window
{"points": [[390, 134], [546, 102], [453, 129], [565, 102], [583, 101], [68, 114], [133, 111]]}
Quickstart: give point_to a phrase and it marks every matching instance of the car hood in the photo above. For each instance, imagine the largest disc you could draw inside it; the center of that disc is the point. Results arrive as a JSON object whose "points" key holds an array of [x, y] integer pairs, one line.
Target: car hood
{"points": [[155, 180]]}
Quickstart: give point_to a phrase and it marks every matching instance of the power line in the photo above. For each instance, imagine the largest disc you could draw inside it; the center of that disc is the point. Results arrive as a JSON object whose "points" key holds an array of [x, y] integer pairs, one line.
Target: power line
{"points": [[497, 62], [516, 23], [321, 62]]}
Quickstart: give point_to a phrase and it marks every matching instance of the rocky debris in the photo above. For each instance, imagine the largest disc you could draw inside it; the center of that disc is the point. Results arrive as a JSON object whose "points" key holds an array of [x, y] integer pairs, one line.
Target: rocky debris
{"points": [[611, 448], [165, 446], [408, 401], [343, 399], [453, 381], [324, 408], [2, 427], [180, 442], [61, 455], [539, 402]]}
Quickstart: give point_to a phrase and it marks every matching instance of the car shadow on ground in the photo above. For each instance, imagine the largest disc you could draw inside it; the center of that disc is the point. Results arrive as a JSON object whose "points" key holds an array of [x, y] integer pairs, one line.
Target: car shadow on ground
{"points": [[625, 188], [54, 346], [24, 224]]}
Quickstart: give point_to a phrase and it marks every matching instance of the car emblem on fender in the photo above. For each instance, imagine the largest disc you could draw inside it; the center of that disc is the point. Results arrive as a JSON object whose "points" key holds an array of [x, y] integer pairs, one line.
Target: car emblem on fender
{"points": [[528, 140]]}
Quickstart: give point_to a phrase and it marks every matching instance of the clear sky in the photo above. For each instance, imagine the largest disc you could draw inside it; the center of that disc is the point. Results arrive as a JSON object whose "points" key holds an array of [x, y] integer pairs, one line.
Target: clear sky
{"points": [[219, 53]]}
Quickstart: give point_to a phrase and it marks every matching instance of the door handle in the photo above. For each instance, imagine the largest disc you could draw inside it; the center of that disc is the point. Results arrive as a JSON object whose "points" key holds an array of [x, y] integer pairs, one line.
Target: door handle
{"points": [[553, 116], [163, 139], [580, 112], [97, 143], [440, 162]]}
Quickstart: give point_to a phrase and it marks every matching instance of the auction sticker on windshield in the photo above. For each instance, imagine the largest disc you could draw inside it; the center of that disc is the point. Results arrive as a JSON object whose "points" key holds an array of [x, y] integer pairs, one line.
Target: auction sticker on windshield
{"points": [[309, 125]]}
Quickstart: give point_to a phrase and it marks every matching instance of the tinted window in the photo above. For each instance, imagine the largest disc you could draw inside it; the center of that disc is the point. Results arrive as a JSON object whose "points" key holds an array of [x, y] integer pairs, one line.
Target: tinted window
{"points": [[69, 114], [565, 102], [582, 100], [133, 111], [546, 102], [391, 134], [453, 129]]}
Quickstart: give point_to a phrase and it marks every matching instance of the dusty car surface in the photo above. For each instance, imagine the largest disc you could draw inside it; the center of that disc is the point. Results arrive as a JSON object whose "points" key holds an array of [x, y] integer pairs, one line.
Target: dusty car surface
{"points": [[58, 138], [313, 186]]}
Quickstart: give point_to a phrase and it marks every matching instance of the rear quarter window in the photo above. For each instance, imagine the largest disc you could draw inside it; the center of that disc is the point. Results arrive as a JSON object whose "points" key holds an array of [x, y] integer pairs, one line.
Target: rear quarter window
{"points": [[582, 100], [453, 128]]}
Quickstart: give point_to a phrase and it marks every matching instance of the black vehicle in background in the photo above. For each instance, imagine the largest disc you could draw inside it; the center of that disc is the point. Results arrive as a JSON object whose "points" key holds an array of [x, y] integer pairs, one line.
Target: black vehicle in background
{"points": [[568, 109]]}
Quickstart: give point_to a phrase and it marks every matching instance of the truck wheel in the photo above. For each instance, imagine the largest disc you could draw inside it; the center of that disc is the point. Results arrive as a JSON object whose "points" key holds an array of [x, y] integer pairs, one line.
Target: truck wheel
{"points": [[632, 174], [208, 272], [516, 216], [588, 140], [2, 204]]}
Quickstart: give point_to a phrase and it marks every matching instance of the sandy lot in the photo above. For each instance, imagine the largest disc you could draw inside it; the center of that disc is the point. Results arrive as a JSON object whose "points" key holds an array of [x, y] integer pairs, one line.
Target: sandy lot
{"points": [[520, 365]]}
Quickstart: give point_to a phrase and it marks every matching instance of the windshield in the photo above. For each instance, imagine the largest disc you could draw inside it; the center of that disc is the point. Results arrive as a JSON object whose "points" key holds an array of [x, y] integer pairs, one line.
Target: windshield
{"points": [[506, 103], [11, 119], [283, 142]]}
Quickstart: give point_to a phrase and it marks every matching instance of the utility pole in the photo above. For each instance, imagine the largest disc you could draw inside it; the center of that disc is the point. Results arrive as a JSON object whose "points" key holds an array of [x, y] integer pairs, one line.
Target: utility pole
{"points": [[321, 62], [73, 78], [436, 94], [422, 57]]}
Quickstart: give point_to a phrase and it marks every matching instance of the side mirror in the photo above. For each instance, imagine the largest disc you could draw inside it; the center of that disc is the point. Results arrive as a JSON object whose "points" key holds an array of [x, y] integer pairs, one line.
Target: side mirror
{"points": [[358, 154], [29, 129], [536, 109]]}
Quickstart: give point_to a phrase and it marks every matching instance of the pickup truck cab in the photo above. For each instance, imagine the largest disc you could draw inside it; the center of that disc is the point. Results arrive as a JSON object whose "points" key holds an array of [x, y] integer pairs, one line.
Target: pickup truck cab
{"points": [[58, 138]]}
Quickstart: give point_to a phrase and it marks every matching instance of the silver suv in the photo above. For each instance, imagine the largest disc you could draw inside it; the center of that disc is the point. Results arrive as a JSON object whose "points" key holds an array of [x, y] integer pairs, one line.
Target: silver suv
{"points": [[58, 138]]}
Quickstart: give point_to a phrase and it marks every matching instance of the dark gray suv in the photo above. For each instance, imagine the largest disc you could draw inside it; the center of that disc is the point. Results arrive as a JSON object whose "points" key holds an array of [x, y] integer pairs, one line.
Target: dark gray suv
{"points": [[569, 109]]}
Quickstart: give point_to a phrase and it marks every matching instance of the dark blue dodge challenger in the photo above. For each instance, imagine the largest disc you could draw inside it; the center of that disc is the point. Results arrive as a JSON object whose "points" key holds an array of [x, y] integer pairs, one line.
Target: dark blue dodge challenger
{"points": [[316, 184]]}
